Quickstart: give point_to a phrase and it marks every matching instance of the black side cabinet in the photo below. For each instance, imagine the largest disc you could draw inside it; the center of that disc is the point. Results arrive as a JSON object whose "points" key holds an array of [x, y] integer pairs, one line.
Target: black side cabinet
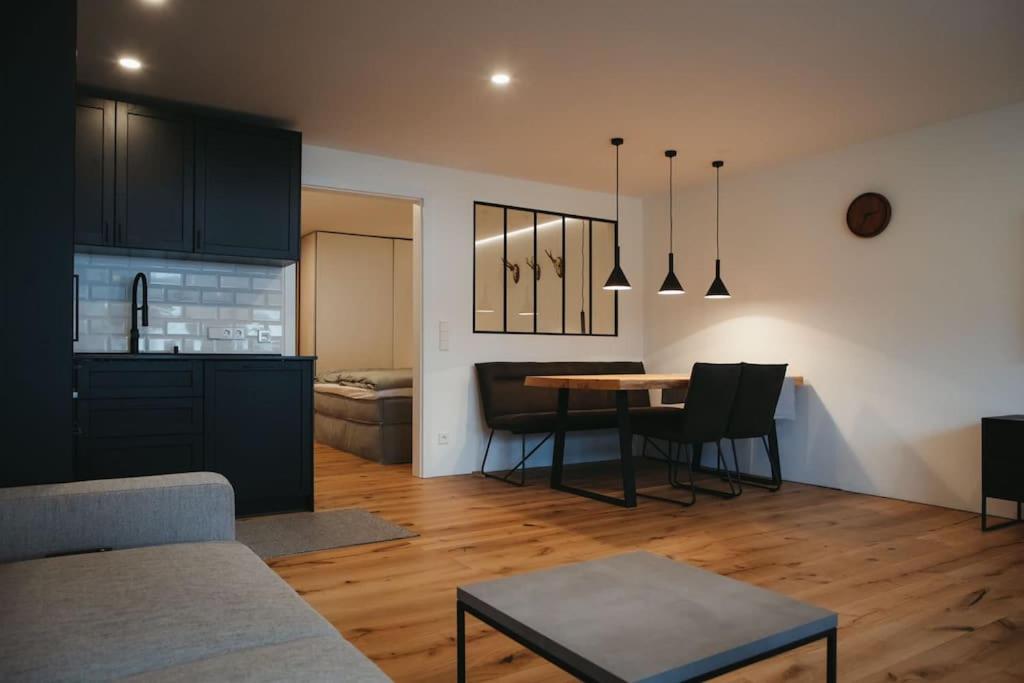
{"points": [[259, 432], [250, 420], [247, 190], [1002, 464]]}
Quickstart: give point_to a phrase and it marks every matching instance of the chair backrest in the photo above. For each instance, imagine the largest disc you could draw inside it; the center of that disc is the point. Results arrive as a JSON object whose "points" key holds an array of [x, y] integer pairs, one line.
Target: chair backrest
{"points": [[709, 400], [502, 391], [756, 399]]}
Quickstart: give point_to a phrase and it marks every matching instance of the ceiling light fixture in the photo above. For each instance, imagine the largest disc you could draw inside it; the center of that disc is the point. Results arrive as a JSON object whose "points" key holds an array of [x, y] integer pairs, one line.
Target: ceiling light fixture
{"points": [[717, 290], [617, 280], [130, 63], [501, 78], [671, 285]]}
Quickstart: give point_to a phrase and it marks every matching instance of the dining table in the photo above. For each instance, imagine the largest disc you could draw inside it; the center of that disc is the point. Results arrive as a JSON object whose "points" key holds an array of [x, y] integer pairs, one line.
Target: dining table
{"points": [[621, 385]]}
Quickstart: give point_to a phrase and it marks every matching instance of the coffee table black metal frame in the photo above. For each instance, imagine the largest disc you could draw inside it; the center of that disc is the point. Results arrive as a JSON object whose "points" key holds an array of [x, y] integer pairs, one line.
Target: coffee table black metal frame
{"points": [[829, 635]]}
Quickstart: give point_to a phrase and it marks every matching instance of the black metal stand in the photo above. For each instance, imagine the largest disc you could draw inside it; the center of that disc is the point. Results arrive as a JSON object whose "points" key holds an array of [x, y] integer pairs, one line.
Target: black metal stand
{"points": [[521, 464], [673, 475], [628, 499], [831, 650]]}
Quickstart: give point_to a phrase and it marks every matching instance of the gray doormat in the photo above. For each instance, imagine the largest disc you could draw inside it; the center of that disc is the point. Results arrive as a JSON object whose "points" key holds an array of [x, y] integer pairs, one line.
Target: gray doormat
{"points": [[305, 532]]}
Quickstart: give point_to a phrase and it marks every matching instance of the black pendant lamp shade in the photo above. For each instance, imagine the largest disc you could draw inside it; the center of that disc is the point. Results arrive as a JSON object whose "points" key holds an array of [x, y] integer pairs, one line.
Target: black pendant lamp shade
{"points": [[671, 285], [617, 280], [717, 290]]}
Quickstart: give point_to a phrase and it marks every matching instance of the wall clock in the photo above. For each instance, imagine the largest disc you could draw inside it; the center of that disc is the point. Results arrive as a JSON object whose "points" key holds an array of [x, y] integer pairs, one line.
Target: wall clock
{"points": [[868, 214]]}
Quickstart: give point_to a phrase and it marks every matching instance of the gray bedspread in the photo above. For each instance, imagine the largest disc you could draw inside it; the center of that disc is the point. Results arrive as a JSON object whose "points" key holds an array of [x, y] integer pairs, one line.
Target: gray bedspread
{"points": [[378, 380]]}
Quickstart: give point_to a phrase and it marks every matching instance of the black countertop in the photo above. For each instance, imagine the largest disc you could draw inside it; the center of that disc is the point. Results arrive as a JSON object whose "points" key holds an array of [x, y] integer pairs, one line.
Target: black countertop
{"points": [[156, 355]]}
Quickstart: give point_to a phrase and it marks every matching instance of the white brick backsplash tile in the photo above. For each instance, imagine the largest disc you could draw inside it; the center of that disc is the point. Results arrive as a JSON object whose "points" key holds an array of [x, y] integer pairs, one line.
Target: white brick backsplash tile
{"points": [[273, 284], [166, 311], [234, 282], [200, 280], [216, 296], [183, 329], [228, 313], [183, 297], [162, 278], [272, 314], [201, 312], [250, 299]]}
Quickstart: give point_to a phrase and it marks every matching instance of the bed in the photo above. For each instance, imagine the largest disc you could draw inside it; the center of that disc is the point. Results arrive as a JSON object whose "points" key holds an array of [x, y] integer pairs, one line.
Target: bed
{"points": [[365, 412]]}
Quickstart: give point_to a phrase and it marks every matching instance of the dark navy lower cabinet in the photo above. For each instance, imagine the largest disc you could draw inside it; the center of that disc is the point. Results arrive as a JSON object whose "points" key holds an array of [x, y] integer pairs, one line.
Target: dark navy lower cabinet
{"points": [[1002, 464], [248, 419]]}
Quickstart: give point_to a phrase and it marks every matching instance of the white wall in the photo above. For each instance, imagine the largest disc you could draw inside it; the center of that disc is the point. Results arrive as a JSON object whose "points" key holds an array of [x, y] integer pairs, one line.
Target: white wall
{"points": [[449, 398], [905, 340]]}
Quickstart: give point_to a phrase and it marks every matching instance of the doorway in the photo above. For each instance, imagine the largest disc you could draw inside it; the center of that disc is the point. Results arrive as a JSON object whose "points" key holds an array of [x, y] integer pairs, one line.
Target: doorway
{"points": [[358, 300]]}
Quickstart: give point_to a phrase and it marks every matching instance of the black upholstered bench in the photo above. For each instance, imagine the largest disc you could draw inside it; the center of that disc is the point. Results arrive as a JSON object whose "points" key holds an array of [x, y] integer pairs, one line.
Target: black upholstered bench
{"points": [[509, 406]]}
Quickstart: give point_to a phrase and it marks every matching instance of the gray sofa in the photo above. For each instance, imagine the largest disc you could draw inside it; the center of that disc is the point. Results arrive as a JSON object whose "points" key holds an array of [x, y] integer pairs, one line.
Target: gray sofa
{"points": [[174, 599]]}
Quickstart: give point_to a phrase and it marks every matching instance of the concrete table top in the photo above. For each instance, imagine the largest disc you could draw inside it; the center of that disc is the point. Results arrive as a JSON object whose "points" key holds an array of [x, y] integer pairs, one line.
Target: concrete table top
{"points": [[642, 617]]}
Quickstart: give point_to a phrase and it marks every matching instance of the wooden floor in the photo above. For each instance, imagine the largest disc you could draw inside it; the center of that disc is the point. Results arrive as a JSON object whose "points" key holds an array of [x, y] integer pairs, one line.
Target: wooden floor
{"points": [[922, 594]]}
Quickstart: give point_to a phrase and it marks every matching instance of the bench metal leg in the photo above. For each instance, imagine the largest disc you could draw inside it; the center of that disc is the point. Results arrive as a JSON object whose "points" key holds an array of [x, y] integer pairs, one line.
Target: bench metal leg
{"points": [[831, 657], [673, 478], [460, 635], [521, 465]]}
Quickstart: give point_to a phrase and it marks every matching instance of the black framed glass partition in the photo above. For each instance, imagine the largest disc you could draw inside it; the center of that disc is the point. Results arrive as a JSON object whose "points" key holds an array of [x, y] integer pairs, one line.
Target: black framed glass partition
{"points": [[541, 272]]}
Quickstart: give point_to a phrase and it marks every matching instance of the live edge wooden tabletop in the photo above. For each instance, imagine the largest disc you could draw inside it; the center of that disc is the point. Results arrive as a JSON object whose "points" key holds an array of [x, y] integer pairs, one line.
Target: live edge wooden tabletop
{"points": [[617, 382]]}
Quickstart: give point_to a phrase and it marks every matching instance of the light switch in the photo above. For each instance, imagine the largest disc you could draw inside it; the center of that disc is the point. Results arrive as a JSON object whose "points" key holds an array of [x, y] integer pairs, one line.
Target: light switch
{"points": [[442, 335]]}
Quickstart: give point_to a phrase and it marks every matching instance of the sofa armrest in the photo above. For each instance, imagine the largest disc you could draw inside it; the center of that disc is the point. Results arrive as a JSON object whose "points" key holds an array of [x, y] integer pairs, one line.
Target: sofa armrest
{"points": [[52, 519]]}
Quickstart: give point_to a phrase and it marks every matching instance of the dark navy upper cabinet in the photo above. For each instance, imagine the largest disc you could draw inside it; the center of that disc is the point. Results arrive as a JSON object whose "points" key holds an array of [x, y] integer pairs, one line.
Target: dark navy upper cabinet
{"points": [[94, 171], [175, 180], [154, 174], [247, 190]]}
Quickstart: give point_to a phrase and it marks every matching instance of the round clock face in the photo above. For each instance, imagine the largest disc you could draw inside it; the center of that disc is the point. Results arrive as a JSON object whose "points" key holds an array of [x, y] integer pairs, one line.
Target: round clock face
{"points": [[868, 214]]}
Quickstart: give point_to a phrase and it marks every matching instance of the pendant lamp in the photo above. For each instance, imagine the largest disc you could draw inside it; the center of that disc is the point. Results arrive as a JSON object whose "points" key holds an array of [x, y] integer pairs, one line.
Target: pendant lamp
{"points": [[671, 285], [617, 280], [717, 290]]}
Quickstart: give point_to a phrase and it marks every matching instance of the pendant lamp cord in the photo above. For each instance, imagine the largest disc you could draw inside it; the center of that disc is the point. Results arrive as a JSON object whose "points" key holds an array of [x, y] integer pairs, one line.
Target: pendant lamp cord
{"points": [[718, 170], [670, 239]]}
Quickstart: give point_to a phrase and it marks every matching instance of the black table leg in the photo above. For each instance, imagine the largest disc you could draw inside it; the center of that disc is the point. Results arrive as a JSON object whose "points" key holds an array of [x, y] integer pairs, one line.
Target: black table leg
{"points": [[561, 423], [626, 449], [832, 656], [460, 627]]}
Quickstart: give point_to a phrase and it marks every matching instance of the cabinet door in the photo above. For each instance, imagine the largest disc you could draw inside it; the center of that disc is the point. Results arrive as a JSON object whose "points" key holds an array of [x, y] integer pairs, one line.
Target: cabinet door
{"points": [[247, 190], [94, 171], [137, 456], [259, 432], [154, 178]]}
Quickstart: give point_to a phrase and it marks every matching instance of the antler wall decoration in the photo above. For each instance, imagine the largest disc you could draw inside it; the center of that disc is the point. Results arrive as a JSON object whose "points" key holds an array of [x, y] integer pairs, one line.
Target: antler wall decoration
{"points": [[512, 268], [534, 266], [558, 262]]}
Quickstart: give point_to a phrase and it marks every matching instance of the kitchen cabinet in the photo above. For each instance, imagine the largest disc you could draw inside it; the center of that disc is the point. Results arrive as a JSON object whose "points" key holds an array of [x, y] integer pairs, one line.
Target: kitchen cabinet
{"points": [[250, 419], [154, 178], [247, 190], [174, 180], [94, 171], [259, 419]]}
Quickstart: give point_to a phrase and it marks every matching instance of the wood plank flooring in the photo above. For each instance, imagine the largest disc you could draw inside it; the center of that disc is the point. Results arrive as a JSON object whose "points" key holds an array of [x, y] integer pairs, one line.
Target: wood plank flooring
{"points": [[922, 594]]}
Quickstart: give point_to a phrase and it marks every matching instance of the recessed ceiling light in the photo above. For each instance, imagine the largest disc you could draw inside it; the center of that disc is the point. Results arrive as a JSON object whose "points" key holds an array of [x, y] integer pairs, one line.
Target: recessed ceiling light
{"points": [[501, 78], [130, 63]]}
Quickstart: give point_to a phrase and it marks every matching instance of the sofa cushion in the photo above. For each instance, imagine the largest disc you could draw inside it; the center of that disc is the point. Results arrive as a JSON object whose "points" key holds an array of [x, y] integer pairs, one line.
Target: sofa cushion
{"points": [[107, 615], [324, 658]]}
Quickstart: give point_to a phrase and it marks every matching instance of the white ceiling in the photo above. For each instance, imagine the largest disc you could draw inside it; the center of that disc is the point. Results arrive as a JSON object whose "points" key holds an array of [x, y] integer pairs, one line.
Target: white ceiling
{"points": [[755, 82]]}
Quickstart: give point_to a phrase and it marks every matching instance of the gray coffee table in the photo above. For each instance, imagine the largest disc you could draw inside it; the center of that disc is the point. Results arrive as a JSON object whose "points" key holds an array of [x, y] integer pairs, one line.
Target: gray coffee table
{"points": [[642, 617]]}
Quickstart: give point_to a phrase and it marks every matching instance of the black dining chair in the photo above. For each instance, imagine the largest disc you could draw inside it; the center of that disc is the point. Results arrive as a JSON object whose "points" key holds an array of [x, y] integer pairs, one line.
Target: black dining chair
{"points": [[753, 417], [703, 419]]}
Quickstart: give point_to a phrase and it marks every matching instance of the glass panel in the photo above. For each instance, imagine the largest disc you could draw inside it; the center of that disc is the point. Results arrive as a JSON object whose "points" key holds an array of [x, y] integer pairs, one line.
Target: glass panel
{"points": [[549, 286], [603, 303], [519, 275], [488, 249], [577, 286]]}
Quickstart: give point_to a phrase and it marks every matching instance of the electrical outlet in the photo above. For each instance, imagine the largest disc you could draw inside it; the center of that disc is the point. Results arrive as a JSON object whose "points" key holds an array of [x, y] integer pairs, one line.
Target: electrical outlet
{"points": [[442, 438], [263, 336], [218, 332]]}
